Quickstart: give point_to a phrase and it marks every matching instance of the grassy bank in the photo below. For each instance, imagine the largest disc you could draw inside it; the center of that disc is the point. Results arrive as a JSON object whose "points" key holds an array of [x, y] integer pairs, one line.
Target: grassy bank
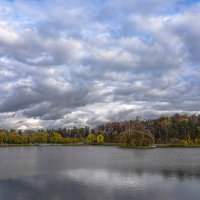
{"points": [[177, 146], [106, 144], [109, 144], [38, 145], [75, 145], [135, 147], [18, 145]]}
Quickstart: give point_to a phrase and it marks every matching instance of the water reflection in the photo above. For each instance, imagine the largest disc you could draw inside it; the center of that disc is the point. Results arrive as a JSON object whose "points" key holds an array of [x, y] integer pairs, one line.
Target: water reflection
{"points": [[103, 178], [98, 173], [98, 184]]}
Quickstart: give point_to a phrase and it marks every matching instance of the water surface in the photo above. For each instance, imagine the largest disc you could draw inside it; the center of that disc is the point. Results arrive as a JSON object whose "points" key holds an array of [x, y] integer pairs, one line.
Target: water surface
{"points": [[99, 173]]}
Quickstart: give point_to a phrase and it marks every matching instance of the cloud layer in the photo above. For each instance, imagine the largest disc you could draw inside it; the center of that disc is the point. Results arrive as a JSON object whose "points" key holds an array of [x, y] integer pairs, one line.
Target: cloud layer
{"points": [[66, 63]]}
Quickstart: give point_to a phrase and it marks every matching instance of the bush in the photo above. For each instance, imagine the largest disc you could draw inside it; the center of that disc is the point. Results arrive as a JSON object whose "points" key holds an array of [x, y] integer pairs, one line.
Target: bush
{"points": [[184, 142], [197, 140], [175, 141]]}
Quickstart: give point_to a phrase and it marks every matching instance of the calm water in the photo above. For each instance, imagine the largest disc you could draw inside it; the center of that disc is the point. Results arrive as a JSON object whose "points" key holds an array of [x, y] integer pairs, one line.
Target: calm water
{"points": [[99, 173]]}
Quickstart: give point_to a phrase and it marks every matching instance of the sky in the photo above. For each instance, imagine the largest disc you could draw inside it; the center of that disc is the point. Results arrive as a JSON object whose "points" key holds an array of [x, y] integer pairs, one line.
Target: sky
{"points": [[66, 63]]}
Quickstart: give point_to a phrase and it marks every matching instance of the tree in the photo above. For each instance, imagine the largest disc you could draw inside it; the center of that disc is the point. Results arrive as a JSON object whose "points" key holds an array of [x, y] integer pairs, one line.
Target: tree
{"points": [[100, 139], [55, 138], [91, 138], [136, 138]]}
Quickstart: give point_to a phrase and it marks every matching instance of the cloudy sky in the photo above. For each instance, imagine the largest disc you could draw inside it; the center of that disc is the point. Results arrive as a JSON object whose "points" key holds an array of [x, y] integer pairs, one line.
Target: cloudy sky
{"points": [[85, 62]]}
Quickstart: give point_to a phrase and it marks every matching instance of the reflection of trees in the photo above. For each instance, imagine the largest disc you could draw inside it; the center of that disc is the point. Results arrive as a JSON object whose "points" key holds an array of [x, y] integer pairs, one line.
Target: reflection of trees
{"points": [[181, 174]]}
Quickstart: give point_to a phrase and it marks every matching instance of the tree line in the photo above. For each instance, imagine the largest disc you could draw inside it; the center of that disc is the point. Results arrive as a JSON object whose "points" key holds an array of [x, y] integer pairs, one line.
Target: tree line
{"points": [[39, 137], [176, 129]]}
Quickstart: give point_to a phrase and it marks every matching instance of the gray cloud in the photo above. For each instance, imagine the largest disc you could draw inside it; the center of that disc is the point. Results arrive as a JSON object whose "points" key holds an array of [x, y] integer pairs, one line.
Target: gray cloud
{"points": [[88, 62]]}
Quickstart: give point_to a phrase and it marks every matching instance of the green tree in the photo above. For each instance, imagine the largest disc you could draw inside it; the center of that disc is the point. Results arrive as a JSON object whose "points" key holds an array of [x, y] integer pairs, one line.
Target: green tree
{"points": [[100, 139], [91, 138]]}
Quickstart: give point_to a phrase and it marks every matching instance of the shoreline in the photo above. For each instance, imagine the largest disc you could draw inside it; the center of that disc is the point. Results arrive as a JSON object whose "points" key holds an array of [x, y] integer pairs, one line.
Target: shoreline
{"points": [[104, 145]]}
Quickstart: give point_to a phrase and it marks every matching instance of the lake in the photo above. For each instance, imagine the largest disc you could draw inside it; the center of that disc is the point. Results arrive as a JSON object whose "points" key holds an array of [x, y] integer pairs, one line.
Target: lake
{"points": [[99, 173]]}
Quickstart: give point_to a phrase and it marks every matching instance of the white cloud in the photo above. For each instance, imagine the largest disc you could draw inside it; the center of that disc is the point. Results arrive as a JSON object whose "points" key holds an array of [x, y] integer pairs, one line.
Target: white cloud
{"points": [[88, 62], [7, 34]]}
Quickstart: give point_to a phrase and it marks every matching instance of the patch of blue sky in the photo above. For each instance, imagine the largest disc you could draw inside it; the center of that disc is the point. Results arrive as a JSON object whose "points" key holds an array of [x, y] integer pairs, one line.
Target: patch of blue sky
{"points": [[188, 2], [183, 5], [190, 80]]}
